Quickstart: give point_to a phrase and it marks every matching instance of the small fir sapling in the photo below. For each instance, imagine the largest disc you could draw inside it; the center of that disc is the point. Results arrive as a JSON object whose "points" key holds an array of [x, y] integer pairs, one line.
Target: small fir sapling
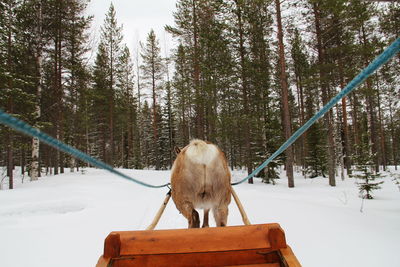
{"points": [[270, 173], [364, 171]]}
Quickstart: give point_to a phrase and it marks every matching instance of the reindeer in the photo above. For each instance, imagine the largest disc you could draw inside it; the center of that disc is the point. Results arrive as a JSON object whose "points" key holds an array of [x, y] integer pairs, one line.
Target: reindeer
{"points": [[201, 179]]}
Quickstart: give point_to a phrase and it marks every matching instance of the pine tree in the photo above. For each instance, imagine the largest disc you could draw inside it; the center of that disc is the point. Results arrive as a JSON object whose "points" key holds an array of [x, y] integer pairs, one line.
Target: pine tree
{"points": [[285, 96], [390, 27], [364, 170], [165, 138], [187, 29], [264, 115], [33, 35], [147, 140], [8, 76], [57, 19], [244, 87], [38, 45], [318, 9], [77, 76], [216, 63], [169, 130], [100, 95], [152, 70], [111, 39], [316, 159], [301, 69], [126, 108], [182, 99], [362, 15], [16, 81]]}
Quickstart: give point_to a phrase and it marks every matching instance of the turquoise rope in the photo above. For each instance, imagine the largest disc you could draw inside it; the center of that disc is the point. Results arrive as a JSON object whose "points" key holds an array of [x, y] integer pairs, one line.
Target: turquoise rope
{"points": [[389, 52], [25, 128]]}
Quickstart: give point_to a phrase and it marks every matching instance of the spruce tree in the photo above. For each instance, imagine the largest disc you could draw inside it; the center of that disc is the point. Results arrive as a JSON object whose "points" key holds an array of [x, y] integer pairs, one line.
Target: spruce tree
{"points": [[77, 76], [187, 29], [126, 108], [169, 129], [321, 12], [243, 72], [147, 140], [300, 68], [7, 78], [99, 97], [390, 28], [111, 39], [364, 171], [152, 69], [182, 98]]}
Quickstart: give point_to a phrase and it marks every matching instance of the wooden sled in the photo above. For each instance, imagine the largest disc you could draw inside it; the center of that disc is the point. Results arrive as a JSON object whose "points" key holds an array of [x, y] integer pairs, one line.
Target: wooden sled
{"points": [[249, 245]]}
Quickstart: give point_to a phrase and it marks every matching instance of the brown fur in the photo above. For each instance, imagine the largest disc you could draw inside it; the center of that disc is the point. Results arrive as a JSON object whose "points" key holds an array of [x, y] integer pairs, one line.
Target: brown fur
{"points": [[201, 185]]}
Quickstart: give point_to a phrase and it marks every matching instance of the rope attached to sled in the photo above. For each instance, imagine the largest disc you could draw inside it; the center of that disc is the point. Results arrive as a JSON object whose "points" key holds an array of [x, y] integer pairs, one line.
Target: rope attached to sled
{"points": [[386, 55], [25, 128]]}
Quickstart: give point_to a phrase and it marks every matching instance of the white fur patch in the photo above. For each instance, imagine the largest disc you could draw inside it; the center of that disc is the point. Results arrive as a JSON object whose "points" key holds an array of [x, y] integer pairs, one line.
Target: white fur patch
{"points": [[200, 152]]}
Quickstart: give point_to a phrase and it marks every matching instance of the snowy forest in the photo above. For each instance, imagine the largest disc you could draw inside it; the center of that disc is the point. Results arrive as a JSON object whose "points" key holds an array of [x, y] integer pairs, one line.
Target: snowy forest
{"points": [[241, 74]]}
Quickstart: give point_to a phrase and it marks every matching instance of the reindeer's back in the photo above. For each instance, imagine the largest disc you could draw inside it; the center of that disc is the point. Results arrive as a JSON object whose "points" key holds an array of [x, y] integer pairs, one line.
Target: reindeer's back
{"points": [[200, 174]]}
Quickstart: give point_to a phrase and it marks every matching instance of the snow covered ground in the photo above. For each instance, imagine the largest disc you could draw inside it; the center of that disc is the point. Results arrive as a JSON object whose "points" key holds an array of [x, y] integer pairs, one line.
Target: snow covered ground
{"points": [[63, 220]]}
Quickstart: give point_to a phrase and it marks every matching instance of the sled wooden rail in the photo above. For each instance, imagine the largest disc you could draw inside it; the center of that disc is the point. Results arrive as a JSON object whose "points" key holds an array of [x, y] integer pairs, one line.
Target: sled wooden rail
{"points": [[250, 245]]}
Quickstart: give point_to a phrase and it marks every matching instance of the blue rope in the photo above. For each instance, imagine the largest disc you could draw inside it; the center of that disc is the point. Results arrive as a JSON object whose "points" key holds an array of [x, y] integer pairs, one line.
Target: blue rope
{"points": [[389, 52], [25, 128]]}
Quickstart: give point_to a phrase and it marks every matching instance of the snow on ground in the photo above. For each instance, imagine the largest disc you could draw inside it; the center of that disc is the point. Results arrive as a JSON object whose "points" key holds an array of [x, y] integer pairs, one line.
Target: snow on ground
{"points": [[63, 220]]}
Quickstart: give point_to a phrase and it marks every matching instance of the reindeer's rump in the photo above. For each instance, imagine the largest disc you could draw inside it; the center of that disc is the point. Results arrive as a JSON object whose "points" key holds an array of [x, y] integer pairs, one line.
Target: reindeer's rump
{"points": [[200, 176]]}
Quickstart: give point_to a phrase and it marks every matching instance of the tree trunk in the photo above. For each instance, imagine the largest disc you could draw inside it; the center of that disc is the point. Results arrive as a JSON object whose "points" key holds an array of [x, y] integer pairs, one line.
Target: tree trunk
{"points": [[87, 144], [34, 170], [346, 139], [10, 107], [35, 159], [246, 115], [111, 106], [370, 106], [354, 118], [196, 78], [61, 94], [303, 138], [394, 137], [139, 113], [155, 124], [57, 100], [325, 95], [285, 96], [10, 145], [130, 134], [381, 132]]}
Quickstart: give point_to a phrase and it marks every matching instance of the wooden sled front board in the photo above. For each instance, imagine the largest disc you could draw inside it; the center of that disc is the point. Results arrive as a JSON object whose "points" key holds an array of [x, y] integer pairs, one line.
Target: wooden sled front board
{"points": [[251, 245]]}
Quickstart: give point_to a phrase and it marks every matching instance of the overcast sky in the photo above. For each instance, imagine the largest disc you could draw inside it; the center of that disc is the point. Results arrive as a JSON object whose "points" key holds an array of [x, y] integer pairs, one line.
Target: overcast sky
{"points": [[137, 18]]}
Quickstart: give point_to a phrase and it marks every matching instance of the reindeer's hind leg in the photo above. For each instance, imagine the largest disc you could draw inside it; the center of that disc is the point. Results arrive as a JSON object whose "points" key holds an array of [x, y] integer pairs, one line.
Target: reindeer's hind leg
{"points": [[191, 215], [205, 220], [221, 215]]}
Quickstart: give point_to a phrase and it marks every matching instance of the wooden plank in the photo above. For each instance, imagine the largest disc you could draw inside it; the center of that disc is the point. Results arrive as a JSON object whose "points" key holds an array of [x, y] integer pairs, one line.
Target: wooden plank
{"points": [[289, 258], [103, 262], [253, 245], [201, 240], [257, 265], [112, 245], [210, 259]]}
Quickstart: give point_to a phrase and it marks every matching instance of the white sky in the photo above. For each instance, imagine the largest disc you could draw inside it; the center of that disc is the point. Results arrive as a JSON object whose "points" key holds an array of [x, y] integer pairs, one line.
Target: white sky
{"points": [[138, 17]]}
